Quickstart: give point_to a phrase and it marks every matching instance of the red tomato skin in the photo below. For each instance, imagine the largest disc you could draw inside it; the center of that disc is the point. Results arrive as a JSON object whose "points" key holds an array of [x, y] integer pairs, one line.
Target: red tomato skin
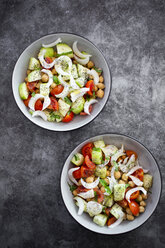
{"points": [[31, 86], [111, 221], [100, 195], [54, 104], [86, 171], [57, 90], [38, 105], [77, 174], [68, 117], [90, 110], [48, 60], [134, 207], [90, 84], [139, 174], [87, 150], [81, 189], [123, 203], [26, 102], [89, 163], [130, 152], [134, 195]]}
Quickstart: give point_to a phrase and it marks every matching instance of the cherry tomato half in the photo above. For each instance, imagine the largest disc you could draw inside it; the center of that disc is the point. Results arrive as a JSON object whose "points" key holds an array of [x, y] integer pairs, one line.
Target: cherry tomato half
{"points": [[86, 171], [81, 189], [26, 102], [68, 117], [48, 60], [89, 163], [139, 174], [100, 195], [57, 90], [134, 207], [38, 105], [53, 104], [134, 195], [77, 174], [87, 150], [123, 203], [90, 84], [130, 153], [111, 221], [31, 86], [90, 110]]}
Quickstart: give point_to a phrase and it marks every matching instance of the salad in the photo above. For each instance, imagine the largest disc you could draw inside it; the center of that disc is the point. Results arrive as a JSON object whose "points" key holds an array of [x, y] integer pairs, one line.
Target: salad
{"points": [[61, 83], [108, 183]]}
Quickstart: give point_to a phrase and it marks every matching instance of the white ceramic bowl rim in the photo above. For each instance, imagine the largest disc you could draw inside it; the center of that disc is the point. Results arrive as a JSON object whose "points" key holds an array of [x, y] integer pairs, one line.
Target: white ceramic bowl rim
{"points": [[134, 139], [78, 126]]}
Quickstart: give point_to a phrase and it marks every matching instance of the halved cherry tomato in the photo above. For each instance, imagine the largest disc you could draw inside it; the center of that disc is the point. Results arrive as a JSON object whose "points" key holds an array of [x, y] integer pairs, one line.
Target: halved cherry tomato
{"points": [[48, 60], [123, 203], [90, 84], [53, 104], [134, 195], [111, 221], [77, 174], [26, 102], [100, 195], [134, 207], [89, 163], [57, 90], [139, 174], [86, 171], [107, 211], [38, 105], [129, 153], [31, 86], [90, 110], [68, 117], [87, 150], [81, 189]]}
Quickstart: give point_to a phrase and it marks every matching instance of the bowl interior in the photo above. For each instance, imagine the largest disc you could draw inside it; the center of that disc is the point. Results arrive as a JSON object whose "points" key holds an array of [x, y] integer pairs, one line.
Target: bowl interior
{"points": [[145, 159], [21, 66]]}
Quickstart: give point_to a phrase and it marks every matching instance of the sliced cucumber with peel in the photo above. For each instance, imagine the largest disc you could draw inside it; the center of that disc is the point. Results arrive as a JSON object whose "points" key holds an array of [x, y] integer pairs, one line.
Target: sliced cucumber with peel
{"points": [[78, 105], [23, 91], [34, 64], [64, 49], [34, 76], [49, 51]]}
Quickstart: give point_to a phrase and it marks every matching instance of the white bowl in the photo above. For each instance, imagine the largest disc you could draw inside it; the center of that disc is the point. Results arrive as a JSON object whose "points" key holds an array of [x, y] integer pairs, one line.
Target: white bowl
{"points": [[145, 159], [21, 66]]}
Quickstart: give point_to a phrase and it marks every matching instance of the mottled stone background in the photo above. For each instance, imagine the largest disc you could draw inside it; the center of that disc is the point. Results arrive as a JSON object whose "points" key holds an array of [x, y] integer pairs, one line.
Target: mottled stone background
{"points": [[131, 35]]}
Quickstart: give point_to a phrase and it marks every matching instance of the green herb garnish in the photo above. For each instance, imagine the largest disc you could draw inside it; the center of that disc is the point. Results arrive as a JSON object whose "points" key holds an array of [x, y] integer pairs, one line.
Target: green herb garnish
{"points": [[76, 157], [95, 196], [88, 98], [115, 165], [72, 187], [105, 184], [96, 69], [96, 149], [33, 94], [56, 80], [54, 116], [67, 100], [127, 185], [58, 55], [94, 93]]}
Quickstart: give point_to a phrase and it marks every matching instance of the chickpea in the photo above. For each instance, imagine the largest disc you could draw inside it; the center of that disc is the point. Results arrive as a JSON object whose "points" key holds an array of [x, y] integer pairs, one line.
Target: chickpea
{"points": [[89, 179], [128, 211], [131, 184], [100, 93], [53, 85], [121, 182], [102, 189], [37, 91], [130, 217], [90, 64], [117, 174], [141, 209], [101, 79], [107, 181], [124, 216], [144, 196], [125, 177], [74, 192], [100, 86], [91, 77], [44, 78], [79, 182], [26, 79], [38, 85], [54, 72], [100, 185], [28, 72], [142, 203], [139, 198], [95, 88], [108, 173], [137, 215]]}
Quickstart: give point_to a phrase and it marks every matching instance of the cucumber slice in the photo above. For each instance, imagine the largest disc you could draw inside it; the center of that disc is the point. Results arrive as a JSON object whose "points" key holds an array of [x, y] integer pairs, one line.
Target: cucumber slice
{"points": [[23, 91], [34, 76], [119, 192], [53, 116], [97, 155], [108, 201], [116, 211], [49, 51], [80, 82], [34, 64], [63, 107], [73, 73], [82, 71], [44, 89], [64, 49], [99, 144], [78, 105], [78, 159], [100, 219], [147, 181], [101, 172]]}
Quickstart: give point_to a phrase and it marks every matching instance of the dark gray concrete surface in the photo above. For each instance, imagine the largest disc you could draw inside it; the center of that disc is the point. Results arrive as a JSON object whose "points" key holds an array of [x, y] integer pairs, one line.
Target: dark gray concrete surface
{"points": [[131, 35]]}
